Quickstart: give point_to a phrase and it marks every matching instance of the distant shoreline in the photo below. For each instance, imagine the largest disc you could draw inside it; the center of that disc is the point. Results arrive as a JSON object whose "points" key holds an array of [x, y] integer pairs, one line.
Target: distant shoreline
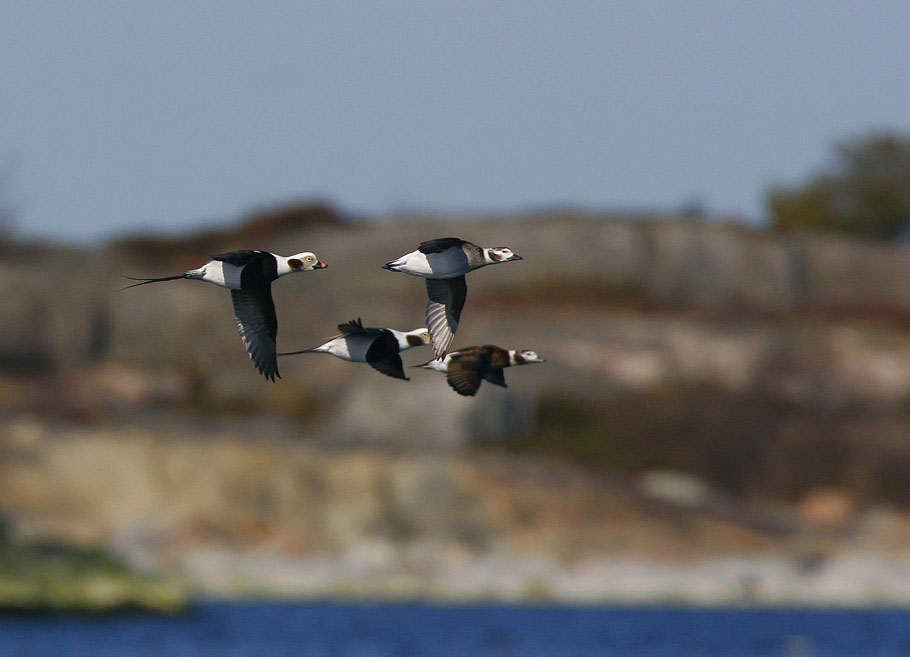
{"points": [[854, 580]]}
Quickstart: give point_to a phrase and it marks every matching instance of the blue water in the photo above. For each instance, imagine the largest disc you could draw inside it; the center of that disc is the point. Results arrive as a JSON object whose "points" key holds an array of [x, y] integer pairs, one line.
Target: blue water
{"points": [[373, 630]]}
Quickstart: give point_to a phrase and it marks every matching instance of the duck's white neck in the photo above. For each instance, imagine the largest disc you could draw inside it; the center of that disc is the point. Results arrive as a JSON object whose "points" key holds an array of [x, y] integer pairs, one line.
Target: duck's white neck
{"points": [[487, 258], [402, 337], [283, 267]]}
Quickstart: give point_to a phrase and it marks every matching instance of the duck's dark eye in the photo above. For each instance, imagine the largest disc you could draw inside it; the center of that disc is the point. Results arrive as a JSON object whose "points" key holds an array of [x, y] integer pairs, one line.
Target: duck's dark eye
{"points": [[295, 264]]}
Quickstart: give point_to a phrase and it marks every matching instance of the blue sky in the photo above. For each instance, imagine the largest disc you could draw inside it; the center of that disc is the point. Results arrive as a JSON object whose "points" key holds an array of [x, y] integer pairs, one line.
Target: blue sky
{"points": [[165, 115]]}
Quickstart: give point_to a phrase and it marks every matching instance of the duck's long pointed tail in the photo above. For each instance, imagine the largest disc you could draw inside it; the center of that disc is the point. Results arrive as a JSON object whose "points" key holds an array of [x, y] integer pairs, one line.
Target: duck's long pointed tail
{"points": [[146, 281], [434, 364], [314, 350]]}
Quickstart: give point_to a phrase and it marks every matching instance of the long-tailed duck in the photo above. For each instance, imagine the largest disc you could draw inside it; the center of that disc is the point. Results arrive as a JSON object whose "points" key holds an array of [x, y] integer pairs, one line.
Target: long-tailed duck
{"points": [[443, 263], [379, 347], [249, 275], [466, 368]]}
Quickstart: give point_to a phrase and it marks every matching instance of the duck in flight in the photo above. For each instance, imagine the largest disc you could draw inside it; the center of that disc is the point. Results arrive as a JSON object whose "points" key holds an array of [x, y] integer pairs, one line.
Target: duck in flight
{"points": [[378, 347], [249, 275], [443, 263], [466, 368]]}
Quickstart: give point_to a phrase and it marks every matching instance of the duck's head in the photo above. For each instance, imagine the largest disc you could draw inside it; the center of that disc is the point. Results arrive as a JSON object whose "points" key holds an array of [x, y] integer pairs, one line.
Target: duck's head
{"points": [[417, 338], [305, 261], [500, 254], [524, 357]]}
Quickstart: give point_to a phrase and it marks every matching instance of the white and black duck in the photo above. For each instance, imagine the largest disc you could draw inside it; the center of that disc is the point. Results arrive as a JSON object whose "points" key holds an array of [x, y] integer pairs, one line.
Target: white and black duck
{"points": [[443, 263], [378, 347], [249, 275]]}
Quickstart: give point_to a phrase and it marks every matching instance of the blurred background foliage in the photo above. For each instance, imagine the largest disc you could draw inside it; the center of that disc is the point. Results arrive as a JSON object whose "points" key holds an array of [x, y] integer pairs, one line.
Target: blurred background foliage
{"points": [[863, 190], [750, 446]]}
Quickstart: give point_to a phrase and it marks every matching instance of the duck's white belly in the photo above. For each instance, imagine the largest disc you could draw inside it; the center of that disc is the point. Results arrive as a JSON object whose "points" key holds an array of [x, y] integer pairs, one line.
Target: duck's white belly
{"points": [[221, 273], [448, 264], [440, 365], [353, 348]]}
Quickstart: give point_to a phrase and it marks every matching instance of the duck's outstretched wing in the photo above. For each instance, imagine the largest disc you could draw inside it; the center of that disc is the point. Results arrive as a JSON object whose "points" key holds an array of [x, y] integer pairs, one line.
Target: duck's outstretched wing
{"points": [[445, 300], [465, 373], [495, 376], [352, 326], [258, 326], [383, 356]]}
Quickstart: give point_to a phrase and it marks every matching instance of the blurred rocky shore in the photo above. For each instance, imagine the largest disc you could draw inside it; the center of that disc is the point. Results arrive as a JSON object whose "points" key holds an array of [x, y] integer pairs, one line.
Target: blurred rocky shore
{"points": [[281, 516], [723, 417]]}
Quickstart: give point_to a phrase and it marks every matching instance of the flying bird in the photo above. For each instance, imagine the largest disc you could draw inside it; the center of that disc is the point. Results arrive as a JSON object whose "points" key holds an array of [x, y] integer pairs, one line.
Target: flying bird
{"points": [[466, 368], [249, 275], [443, 263], [378, 347]]}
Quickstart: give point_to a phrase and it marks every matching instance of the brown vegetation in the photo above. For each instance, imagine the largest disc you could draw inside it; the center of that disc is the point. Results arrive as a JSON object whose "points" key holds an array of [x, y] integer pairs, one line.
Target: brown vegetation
{"points": [[750, 445]]}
